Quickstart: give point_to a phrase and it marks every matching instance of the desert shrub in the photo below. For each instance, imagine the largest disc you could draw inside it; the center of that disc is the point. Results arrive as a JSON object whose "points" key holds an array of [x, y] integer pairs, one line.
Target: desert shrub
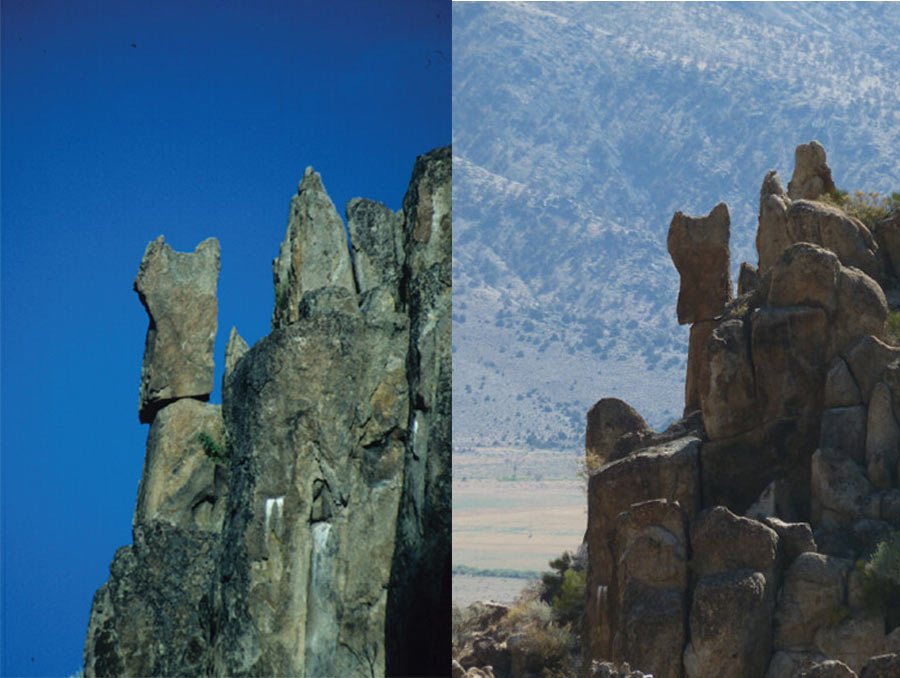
{"points": [[537, 642], [881, 580], [219, 452], [569, 603], [892, 328], [869, 207]]}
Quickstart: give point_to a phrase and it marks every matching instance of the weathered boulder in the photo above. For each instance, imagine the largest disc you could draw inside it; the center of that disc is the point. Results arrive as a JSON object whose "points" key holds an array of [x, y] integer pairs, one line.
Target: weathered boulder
{"points": [[183, 483], [790, 343], [852, 640], [783, 223], [882, 439], [887, 235], [868, 358], [649, 590], [862, 309], [840, 490], [844, 431], [722, 541], [607, 421], [669, 471], [812, 176], [178, 290], [699, 249], [730, 626], [814, 587], [314, 252], [840, 387], [793, 538]]}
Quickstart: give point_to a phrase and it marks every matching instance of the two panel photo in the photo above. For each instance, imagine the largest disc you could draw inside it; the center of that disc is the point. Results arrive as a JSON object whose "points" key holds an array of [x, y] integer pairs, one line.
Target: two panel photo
{"points": [[470, 339]]}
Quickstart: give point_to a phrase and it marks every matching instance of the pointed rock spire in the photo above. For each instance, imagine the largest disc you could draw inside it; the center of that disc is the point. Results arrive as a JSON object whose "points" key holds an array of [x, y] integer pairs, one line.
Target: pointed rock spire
{"points": [[314, 253]]}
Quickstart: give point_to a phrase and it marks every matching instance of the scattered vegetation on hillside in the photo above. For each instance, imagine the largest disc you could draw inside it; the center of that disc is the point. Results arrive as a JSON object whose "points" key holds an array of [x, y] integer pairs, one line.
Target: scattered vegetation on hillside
{"points": [[869, 207]]}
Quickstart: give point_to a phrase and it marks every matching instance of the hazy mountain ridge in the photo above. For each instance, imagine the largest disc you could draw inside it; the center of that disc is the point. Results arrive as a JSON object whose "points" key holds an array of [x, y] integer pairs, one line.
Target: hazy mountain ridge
{"points": [[579, 129]]}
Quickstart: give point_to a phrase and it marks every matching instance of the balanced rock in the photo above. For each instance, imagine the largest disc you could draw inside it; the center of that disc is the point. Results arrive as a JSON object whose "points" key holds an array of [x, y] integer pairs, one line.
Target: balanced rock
{"points": [[607, 421], [699, 249], [178, 290], [812, 176], [314, 252]]}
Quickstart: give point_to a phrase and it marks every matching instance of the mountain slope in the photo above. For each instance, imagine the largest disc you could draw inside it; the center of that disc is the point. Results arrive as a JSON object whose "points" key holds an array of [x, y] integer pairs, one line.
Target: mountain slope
{"points": [[579, 129]]}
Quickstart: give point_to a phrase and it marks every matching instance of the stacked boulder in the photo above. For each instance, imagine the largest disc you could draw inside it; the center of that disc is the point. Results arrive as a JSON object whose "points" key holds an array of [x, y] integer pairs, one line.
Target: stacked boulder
{"points": [[167, 572], [725, 545], [699, 248]]}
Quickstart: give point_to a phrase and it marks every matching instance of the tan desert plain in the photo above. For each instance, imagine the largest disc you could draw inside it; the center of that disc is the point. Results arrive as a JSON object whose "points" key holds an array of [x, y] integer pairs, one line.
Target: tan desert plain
{"points": [[514, 510]]}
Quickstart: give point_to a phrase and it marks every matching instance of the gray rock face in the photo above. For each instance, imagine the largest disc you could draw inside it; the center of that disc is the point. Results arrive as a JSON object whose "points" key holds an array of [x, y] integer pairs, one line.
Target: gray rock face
{"points": [[318, 414], [178, 290], [376, 235], [420, 573], [152, 617], [308, 532], [314, 253]]}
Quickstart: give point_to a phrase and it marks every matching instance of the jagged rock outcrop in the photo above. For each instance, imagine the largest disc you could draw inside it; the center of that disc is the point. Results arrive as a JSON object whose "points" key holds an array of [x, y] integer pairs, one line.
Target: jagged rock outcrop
{"points": [[314, 252], [792, 469], [812, 175], [302, 528], [178, 290]]}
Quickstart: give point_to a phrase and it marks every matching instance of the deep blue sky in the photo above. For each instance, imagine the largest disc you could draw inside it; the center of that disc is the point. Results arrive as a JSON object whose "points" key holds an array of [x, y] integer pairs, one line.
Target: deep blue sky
{"points": [[122, 121]]}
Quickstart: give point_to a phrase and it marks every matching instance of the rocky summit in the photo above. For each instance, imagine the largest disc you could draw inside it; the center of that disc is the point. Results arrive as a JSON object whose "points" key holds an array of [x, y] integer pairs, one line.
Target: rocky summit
{"points": [[302, 528], [754, 538]]}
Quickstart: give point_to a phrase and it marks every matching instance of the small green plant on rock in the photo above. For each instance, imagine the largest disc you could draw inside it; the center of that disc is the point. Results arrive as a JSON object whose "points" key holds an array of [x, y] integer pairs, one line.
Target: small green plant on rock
{"points": [[881, 580], [220, 453]]}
